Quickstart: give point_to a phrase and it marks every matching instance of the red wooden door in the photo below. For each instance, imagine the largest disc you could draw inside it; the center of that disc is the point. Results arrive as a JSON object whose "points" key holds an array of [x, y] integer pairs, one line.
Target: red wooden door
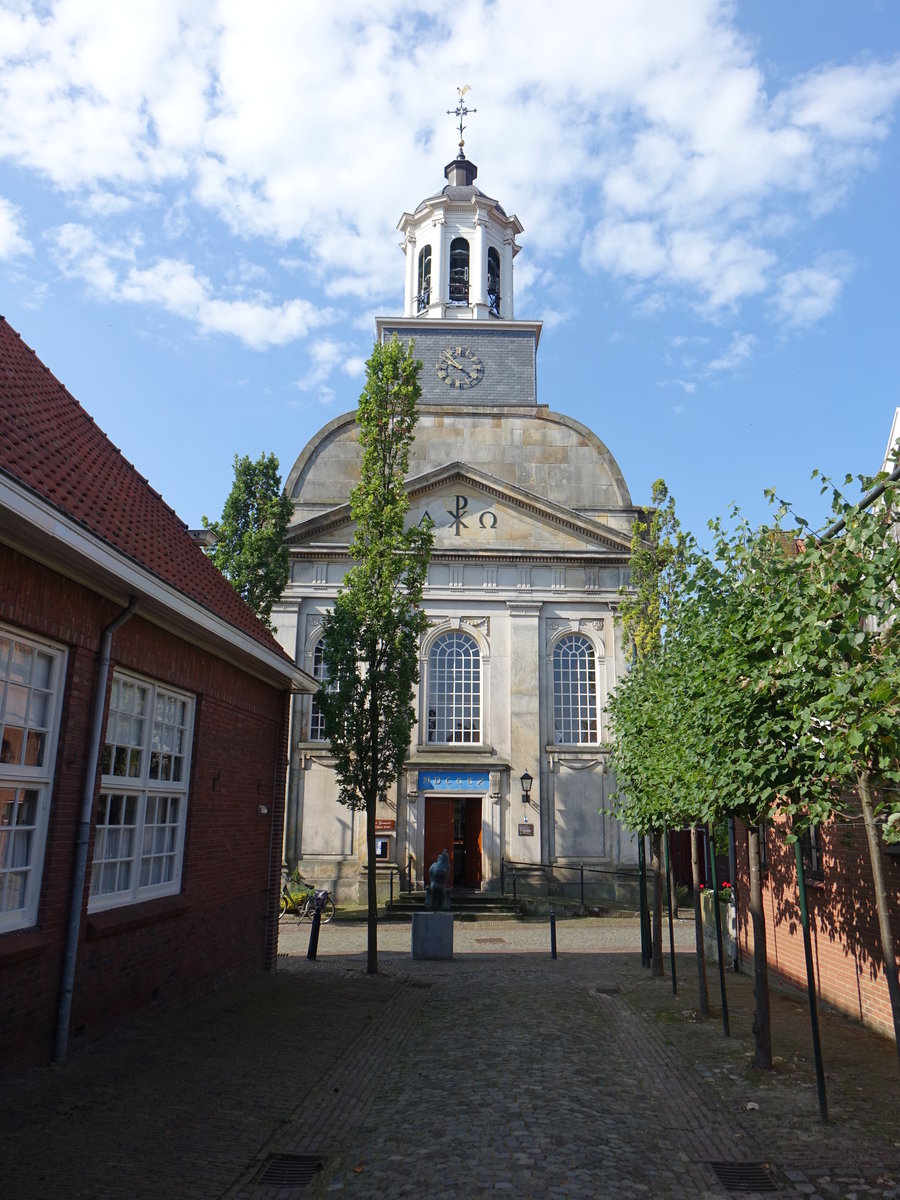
{"points": [[438, 832]]}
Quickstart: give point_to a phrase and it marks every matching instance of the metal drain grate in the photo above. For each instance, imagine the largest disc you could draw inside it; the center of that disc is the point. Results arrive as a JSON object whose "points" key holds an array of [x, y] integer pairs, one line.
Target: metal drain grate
{"points": [[609, 990], [744, 1177], [491, 941], [289, 1170]]}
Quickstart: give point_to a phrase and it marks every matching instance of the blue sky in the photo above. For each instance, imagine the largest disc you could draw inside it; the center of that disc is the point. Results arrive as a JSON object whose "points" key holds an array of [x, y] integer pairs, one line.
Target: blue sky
{"points": [[198, 209]]}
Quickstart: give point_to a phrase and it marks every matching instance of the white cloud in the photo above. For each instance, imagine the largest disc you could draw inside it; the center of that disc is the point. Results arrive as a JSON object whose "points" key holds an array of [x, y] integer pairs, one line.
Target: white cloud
{"points": [[324, 355], [650, 140], [847, 103], [808, 295], [12, 236], [737, 354], [112, 272]]}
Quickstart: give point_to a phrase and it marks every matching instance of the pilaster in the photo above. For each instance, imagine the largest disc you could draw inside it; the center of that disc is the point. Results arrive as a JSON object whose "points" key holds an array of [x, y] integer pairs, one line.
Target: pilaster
{"points": [[525, 729]]}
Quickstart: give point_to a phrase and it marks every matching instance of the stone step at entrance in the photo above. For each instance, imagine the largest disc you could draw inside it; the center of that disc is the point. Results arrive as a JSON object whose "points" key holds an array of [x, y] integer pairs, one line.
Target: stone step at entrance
{"points": [[467, 905]]}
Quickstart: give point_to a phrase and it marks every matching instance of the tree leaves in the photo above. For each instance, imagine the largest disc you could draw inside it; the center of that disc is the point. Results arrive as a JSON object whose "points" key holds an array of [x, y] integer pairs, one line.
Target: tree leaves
{"points": [[778, 679], [250, 548], [371, 637]]}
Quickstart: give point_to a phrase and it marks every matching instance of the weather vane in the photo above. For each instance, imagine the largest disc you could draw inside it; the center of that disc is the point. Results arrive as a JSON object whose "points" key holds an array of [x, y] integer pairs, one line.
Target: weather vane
{"points": [[461, 111]]}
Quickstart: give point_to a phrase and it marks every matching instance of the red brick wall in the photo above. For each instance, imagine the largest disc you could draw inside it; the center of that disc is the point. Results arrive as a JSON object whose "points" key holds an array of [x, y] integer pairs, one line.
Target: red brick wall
{"points": [[223, 925], [846, 945]]}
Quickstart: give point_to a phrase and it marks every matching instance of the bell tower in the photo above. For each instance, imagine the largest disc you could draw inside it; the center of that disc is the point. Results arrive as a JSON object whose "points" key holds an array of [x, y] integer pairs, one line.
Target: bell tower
{"points": [[459, 246], [458, 296]]}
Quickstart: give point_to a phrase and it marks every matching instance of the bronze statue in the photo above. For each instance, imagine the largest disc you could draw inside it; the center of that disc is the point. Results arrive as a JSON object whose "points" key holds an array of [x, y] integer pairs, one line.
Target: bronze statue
{"points": [[437, 896]]}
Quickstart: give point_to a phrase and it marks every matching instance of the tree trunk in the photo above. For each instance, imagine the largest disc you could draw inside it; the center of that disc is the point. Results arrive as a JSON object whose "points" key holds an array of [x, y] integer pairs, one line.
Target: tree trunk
{"points": [[762, 1028], [372, 889], [670, 874], [698, 921], [873, 836], [657, 968]]}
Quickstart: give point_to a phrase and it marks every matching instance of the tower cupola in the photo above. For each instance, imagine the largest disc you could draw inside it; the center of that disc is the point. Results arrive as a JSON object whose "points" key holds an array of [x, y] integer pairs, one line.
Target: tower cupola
{"points": [[459, 246]]}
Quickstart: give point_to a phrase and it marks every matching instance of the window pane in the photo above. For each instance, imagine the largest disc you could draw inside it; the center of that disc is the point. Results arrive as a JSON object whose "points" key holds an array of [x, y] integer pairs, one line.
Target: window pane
{"points": [[37, 712], [11, 750], [43, 667], [20, 663], [16, 705], [18, 819], [28, 712]]}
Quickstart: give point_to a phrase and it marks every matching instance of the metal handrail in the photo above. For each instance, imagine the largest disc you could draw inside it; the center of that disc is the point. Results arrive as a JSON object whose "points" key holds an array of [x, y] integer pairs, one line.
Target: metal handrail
{"points": [[531, 868]]}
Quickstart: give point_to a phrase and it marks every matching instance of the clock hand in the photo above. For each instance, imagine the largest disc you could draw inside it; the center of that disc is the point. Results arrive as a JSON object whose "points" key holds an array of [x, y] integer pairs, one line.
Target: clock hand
{"points": [[452, 361]]}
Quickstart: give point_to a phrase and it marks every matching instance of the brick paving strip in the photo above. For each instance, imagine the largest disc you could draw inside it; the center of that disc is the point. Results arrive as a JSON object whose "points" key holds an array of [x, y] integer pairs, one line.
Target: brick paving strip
{"points": [[383, 1132], [498, 1073]]}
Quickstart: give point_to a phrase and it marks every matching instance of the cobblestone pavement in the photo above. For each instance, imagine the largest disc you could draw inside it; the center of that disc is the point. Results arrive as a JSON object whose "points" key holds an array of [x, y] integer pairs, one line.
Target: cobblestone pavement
{"points": [[502, 1072]]}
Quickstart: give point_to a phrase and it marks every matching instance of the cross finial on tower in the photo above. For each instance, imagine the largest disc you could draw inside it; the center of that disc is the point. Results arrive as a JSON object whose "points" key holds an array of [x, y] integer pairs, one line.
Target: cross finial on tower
{"points": [[461, 111]]}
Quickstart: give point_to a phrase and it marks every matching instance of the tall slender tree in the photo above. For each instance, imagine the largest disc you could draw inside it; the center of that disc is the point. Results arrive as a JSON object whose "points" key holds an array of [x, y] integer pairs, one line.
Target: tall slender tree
{"points": [[657, 551], [371, 636], [250, 549]]}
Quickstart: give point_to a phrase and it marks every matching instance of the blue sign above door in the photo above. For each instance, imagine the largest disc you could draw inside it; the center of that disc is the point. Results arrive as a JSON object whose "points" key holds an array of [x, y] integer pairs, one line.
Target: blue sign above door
{"points": [[454, 781]]}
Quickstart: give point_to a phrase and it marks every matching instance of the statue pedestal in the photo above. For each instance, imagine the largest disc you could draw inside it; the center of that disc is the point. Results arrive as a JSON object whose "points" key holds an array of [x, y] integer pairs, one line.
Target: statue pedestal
{"points": [[432, 935]]}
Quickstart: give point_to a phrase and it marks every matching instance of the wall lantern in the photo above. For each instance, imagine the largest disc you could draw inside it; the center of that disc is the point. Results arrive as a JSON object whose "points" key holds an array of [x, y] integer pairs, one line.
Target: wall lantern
{"points": [[526, 781]]}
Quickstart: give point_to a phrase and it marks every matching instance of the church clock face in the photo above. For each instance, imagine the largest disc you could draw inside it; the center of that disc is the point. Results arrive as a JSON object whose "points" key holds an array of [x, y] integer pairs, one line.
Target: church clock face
{"points": [[459, 367]]}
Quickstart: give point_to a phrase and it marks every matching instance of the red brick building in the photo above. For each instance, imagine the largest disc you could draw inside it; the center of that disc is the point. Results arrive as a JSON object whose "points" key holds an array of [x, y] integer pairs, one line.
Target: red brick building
{"points": [[143, 714], [846, 946]]}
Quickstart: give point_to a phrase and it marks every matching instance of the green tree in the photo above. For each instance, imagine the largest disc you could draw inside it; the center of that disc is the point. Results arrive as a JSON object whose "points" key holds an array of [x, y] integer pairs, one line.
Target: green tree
{"points": [[657, 554], [839, 671], [719, 745], [371, 636], [250, 548]]}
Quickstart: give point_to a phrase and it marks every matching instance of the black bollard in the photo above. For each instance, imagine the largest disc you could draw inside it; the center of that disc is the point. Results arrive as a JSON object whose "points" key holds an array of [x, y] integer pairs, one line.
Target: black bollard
{"points": [[553, 934], [314, 935]]}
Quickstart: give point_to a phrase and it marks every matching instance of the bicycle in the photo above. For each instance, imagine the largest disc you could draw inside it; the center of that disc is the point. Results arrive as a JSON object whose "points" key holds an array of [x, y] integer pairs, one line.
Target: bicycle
{"points": [[294, 897], [322, 899], [300, 899]]}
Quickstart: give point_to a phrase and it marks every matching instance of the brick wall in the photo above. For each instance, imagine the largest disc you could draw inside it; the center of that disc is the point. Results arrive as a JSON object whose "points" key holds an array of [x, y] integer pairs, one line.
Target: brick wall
{"points": [[846, 944], [222, 925]]}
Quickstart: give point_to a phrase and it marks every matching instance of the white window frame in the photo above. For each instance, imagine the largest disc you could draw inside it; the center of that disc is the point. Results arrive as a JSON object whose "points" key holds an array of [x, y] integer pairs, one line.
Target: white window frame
{"points": [[464, 706], [568, 703], [316, 728], [22, 846], [138, 842]]}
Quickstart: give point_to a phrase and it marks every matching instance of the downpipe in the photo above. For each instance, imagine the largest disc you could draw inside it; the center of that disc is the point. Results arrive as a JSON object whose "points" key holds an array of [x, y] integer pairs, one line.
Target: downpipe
{"points": [[67, 989]]}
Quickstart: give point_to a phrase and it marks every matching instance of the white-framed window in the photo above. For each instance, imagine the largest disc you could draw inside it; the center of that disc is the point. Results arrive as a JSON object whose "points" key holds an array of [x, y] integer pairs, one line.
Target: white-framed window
{"points": [[454, 689], [574, 691], [316, 716], [32, 676], [142, 812]]}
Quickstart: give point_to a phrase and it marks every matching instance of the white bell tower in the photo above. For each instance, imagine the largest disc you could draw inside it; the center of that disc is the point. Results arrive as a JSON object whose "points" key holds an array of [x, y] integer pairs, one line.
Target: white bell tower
{"points": [[459, 247]]}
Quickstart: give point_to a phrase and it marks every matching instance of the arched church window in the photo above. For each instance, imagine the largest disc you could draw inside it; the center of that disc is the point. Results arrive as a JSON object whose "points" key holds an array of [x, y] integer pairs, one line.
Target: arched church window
{"points": [[493, 281], [454, 689], [316, 716], [459, 271], [423, 296], [574, 690]]}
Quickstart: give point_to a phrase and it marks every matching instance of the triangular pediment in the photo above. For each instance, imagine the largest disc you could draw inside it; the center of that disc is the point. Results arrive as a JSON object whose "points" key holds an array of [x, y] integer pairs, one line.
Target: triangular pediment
{"points": [[474, 512]]}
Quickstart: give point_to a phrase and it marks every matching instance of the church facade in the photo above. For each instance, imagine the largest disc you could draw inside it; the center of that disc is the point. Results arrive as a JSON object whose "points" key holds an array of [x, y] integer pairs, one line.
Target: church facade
{"points": [[532, 528]]}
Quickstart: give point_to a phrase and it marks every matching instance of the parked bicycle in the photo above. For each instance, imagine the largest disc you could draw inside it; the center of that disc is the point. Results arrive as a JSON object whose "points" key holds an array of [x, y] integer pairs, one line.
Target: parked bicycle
{"points": [[322, 900], [301, 900]]}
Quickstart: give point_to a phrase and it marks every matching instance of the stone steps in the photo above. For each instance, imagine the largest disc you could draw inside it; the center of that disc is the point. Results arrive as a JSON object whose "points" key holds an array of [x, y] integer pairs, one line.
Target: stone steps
{"points": [[466, 905]]}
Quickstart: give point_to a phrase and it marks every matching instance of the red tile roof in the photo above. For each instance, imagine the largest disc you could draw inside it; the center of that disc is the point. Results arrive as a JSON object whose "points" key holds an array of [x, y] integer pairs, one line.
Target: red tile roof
{"points": [[51, 446]]}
